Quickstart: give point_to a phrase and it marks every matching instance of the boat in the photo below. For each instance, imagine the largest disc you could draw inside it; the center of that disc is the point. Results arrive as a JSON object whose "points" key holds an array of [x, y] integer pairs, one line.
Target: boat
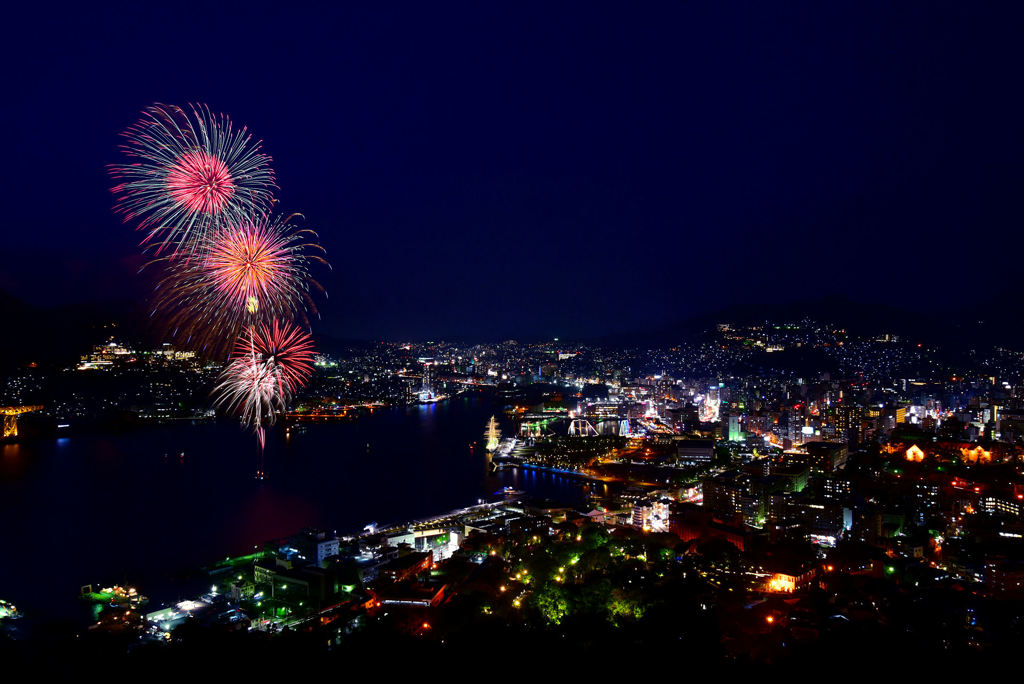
{"points": [[509, 491], [492, 435], [8, 610]]}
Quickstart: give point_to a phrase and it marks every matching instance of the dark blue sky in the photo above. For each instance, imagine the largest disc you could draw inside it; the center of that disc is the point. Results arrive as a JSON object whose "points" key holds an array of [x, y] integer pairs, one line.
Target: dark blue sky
{"points": [[496, 169]]}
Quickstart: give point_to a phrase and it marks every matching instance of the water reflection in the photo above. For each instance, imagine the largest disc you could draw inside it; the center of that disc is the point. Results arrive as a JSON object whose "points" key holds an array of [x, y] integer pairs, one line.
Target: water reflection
{"points": [[129, 507]]}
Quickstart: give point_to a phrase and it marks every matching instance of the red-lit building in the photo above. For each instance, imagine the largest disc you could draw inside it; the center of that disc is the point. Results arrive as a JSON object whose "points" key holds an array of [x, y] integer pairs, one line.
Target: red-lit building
{"points": [[407, 566]]}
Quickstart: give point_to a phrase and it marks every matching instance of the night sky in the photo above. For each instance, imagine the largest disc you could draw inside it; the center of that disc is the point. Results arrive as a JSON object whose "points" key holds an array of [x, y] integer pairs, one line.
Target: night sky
{"points": [[552, 169]]}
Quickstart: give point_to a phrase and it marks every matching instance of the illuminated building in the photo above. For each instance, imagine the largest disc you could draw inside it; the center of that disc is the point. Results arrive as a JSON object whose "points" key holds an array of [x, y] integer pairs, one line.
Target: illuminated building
{"points": [[105, 356], [793, 476], [826, 457], [420, 593], [1006, 505], [547, 371], [723, 495], [836, 489], [735, 433], [709, 406], [926, 496], [407, 566], [693, 523], [737, 496], [758, 466], [781, 583], [640, 514], [790, 578], [653, 517], [426, 393], [694, 451], [822, 522], [976, 455], [440, 542], [849, 423], [1004, 578], [316, 546], [168, 353], [914, 454], [281, 577]]}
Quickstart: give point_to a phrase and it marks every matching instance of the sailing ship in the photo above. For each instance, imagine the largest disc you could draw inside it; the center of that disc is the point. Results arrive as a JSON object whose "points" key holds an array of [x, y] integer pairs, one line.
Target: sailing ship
{"points": [[492, 435]]}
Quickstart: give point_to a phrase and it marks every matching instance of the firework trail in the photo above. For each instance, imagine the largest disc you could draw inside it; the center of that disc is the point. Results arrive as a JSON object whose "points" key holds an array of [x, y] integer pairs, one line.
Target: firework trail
{"points": [[269, 364], [251, 272], [284, 345], [202, 192], [188, 172]]}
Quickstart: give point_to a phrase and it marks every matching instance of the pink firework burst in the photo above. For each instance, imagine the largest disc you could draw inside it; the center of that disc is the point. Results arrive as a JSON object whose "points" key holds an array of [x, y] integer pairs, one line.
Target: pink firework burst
{"points": [[286, 346], [269, 364], [189, 171], [200, 182], [252, 388]]}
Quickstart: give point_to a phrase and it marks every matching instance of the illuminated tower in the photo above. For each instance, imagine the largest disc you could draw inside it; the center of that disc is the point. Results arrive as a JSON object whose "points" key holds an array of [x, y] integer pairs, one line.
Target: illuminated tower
{"points": [[427, 387], [735, 434], [849, 423]]}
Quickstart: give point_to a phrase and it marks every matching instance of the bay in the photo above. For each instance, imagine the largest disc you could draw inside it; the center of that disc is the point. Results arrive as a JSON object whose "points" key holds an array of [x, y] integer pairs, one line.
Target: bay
{"points": [[150, 506]]}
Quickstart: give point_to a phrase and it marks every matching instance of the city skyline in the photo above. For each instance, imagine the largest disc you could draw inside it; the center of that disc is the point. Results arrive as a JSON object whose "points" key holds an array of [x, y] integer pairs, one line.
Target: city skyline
{"points": [[767, 493], [678, 336]]}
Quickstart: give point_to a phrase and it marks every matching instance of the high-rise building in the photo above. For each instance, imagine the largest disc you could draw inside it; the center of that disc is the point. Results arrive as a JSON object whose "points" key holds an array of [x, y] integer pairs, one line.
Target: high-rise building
{"points": [[849, 422], [735, 433]]}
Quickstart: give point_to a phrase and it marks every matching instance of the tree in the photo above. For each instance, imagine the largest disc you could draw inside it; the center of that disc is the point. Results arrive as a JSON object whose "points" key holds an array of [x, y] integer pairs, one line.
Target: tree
{"points": [[594, 559], [593, 536], [552, 603], [594, 596], [625, 606]]}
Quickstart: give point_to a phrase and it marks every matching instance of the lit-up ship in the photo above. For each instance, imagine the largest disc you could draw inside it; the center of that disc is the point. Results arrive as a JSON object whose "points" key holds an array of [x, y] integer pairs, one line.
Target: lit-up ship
{"points": [[8, 610], [492, 435], [499, 449]]}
